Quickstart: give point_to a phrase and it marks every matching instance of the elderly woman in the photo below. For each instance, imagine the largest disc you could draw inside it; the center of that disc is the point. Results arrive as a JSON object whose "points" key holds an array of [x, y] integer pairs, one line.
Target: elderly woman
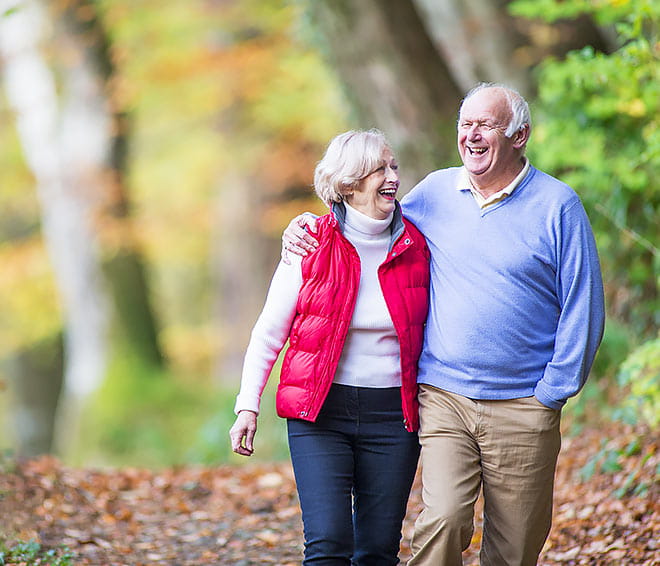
{"points": [[353, 313]]}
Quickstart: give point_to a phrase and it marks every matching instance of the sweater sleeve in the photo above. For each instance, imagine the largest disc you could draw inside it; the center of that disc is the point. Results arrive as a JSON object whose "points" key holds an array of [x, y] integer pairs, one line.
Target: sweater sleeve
{"points": [[582, 310], [269, 334], [413, 204]]}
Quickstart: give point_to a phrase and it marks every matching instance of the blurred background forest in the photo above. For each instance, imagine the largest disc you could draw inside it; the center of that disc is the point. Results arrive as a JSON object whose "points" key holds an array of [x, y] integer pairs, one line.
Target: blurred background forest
{"points": [[152, 151]]}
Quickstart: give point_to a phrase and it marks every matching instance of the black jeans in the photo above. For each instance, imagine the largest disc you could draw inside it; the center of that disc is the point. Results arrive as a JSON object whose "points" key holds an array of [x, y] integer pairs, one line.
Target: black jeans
{"points": [[354, 468]]}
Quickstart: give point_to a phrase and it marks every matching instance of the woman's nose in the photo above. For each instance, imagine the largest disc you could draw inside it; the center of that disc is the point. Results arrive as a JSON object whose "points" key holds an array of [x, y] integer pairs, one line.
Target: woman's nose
{"points": [[391, 174]]}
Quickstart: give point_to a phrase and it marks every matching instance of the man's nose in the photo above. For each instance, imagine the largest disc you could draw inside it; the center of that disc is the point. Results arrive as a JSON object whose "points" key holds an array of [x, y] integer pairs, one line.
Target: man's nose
{"points": [[474, 131]]}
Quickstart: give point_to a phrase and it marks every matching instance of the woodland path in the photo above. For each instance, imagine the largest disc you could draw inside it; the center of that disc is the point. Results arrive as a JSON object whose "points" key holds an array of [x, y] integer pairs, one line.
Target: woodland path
{"points": [[248, 515]]}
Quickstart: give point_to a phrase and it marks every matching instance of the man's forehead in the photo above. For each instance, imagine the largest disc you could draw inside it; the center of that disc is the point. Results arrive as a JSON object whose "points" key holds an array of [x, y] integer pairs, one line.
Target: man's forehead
{"points": [[486, 103]]}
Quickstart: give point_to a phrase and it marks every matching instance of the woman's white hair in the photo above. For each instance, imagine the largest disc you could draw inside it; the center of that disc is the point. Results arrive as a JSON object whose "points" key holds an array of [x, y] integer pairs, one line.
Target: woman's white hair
{"points": [[349, 158], [520, 114]]}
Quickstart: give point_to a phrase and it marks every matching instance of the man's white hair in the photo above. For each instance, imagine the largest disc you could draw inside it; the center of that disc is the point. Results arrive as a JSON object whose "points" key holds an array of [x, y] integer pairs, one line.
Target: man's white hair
{"points": [[519, 108]]}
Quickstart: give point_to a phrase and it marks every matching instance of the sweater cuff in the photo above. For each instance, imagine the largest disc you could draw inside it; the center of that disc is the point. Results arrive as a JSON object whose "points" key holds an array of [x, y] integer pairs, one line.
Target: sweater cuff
{"points": [[546, 400], [247, 403]]}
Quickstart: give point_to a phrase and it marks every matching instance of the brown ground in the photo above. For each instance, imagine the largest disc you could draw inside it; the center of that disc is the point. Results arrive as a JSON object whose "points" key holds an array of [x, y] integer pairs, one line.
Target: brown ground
{"points": [[249, 515]]}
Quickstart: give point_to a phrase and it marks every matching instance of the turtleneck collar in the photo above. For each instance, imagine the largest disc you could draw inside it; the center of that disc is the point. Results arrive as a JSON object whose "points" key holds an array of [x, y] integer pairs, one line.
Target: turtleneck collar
{"points": [[366, 224]]}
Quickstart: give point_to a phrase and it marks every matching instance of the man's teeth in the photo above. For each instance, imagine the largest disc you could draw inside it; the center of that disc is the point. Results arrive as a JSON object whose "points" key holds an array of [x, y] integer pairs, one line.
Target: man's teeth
{"points": [[478, 150]]}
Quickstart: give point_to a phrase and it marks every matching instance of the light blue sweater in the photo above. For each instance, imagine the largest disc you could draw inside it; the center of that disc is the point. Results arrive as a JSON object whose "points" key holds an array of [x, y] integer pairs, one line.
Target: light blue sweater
{"points": [[517, 303]]}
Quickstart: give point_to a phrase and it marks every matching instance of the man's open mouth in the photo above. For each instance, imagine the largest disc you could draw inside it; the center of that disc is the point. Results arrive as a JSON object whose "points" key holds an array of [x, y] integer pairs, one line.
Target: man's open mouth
{"points": [[477, 150]]}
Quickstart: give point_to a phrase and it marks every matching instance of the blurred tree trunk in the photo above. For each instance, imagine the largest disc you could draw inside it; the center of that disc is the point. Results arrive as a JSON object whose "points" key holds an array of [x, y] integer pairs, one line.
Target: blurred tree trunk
{"points": [[405, 64], [481, 41], [478, 40], [394, 77], [87, 77], [67, 209], [241, 265], [72, 142], [35, 380]]}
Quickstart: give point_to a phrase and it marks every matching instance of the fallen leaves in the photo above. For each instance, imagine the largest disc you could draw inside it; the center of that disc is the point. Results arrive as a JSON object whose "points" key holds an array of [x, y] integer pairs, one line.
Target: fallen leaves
{"points": [[186, 516], [249, 515]]}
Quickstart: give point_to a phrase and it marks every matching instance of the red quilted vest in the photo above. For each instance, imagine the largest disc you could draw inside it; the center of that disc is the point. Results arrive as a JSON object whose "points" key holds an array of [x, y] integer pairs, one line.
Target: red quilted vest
{"points": [[326, 301]]}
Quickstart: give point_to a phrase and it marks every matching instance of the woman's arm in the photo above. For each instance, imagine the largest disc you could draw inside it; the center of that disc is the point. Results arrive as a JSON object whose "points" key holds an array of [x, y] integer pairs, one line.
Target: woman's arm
{"points": [[268, 337]]}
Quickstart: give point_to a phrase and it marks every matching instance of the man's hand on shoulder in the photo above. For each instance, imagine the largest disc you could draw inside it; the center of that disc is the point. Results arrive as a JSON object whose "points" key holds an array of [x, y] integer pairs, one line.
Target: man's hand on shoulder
{"points": [[297, 237]]}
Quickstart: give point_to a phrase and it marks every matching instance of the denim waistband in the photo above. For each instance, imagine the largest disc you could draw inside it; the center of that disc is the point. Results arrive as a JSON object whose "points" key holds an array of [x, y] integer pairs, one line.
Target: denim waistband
{"points": [[367, 404]]}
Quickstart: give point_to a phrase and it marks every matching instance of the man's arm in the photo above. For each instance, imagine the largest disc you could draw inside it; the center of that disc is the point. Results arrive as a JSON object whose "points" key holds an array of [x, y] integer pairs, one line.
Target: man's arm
{"points": [[297, 237], [582, 316]]}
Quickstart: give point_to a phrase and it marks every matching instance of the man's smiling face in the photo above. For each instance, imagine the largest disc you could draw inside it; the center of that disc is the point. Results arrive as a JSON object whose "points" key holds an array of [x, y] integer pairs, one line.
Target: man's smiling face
{"points": [[488, 155]]}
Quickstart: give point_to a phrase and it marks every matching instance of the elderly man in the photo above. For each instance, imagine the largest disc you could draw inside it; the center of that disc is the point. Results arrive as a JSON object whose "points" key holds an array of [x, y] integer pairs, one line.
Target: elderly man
{"points": [[516, 316]]}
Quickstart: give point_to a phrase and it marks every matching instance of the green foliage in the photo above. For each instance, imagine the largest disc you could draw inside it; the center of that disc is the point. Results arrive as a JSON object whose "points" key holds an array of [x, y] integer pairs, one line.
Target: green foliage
{"points": [[145, 417], [640, 376], [211, 444], [605, 12], [31, 553], [612, 460], [7, 462], [597, 128], [213, 93], [600, 392], [140, 416], [615, 346]]}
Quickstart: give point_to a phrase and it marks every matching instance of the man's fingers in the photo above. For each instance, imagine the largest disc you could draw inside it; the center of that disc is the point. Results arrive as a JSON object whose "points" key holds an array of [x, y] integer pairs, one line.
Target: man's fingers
{"points": [[307, 220], [296, 239]]}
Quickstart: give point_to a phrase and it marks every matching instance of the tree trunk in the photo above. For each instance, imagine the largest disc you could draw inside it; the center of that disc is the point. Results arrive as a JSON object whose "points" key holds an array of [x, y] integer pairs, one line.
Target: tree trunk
{"points": [[35, 380], [67, 209], [87, 78], [394, 77], [405, 64], [241, 265], [478, 40], [73, 142], [482, 42]]}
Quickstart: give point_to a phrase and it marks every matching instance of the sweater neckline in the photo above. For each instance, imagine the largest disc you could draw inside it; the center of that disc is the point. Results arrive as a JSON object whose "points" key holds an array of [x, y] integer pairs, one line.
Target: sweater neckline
{"points": [[364, 224]]}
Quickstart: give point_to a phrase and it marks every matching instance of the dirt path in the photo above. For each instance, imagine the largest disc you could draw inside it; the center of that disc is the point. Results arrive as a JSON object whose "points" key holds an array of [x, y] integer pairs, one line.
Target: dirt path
{"points": [[249, 515]]}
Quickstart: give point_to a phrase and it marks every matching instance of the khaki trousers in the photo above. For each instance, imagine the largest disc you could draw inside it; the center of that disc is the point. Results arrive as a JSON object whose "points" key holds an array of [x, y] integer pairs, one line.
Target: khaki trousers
{"points": [[508, 448]]}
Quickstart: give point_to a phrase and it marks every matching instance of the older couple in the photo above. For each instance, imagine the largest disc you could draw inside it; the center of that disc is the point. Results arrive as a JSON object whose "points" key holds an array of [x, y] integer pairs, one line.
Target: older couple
{"points": [[515, 316]]}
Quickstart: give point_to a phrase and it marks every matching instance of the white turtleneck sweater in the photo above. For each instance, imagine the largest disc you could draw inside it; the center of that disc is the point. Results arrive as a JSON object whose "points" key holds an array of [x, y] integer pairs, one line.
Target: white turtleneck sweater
{"points": [[371, 352]]}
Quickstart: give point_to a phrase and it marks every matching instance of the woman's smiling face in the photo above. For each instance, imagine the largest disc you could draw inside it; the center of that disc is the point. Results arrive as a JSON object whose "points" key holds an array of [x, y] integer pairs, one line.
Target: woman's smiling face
{"points": [[375, 194]]}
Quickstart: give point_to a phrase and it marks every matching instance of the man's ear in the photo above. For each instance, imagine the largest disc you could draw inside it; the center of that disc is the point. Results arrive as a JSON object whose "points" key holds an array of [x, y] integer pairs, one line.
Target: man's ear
{"points": [[521, 137]]}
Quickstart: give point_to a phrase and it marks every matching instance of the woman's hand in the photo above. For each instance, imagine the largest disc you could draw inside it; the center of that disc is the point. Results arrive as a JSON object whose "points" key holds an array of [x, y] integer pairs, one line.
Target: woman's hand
{"points": [[242, 433], [296, 239]]}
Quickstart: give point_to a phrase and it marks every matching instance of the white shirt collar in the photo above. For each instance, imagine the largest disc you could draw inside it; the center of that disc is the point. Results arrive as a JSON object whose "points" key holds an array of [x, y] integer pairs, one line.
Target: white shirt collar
{"points": [[464, 184]]}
